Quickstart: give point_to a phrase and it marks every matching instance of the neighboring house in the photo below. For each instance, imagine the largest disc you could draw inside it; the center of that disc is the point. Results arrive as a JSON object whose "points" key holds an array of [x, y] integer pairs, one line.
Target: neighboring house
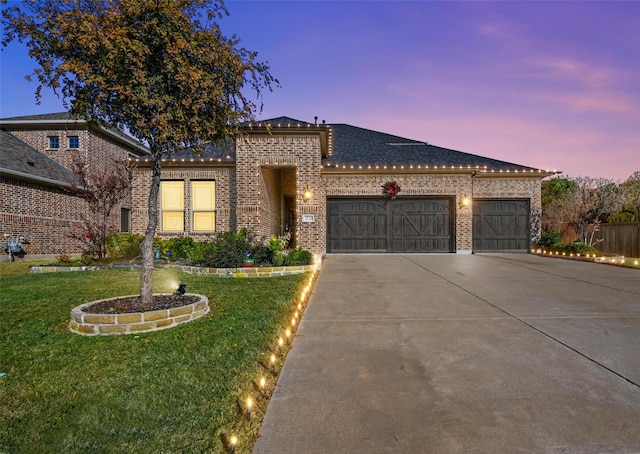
{"points": [[36, 154], [322, 183]]}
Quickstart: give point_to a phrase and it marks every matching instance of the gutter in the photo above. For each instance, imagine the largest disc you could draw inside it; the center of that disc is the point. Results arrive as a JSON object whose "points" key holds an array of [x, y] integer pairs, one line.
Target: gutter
{"points": [[36, 179]]}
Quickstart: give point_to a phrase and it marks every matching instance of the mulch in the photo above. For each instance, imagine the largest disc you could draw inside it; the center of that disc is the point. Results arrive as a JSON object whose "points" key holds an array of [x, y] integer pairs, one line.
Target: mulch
{"points": [[131, 304]]}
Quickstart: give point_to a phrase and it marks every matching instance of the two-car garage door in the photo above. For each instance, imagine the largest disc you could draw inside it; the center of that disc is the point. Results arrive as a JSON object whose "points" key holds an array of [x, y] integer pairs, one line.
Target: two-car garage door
{"points": [[383, 225], [423, 225]]}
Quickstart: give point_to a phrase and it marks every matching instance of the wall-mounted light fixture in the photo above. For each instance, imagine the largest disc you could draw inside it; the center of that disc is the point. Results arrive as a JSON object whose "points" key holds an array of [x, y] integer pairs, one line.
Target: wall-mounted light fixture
{"points": [[307, 195], [465, 201]]}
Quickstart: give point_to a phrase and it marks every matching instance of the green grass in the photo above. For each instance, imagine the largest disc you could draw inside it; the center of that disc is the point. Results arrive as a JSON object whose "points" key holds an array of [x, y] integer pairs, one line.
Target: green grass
{"points": [[175, 390]]}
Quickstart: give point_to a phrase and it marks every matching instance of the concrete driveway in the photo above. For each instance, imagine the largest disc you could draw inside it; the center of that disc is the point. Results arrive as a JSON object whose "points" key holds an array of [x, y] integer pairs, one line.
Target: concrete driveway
{"points": [[462, 354]]}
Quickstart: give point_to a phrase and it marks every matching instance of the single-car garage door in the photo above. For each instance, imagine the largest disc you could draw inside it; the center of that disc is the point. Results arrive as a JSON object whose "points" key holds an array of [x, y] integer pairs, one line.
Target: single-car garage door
{"points": [[500, 225], [399, 225]]}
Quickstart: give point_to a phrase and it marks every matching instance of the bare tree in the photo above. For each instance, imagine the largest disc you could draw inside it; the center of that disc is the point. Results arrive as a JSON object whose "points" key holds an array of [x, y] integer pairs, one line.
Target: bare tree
{"points": [[103, 188]]}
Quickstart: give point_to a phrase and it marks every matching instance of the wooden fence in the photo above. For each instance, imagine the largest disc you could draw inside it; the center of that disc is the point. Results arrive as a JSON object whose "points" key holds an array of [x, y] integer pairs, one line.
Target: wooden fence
{"points": [[621, 238]]}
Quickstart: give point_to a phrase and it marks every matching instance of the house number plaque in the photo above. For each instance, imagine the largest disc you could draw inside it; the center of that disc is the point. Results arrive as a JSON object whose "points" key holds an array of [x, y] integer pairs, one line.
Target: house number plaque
{"points": [[308, 218]]}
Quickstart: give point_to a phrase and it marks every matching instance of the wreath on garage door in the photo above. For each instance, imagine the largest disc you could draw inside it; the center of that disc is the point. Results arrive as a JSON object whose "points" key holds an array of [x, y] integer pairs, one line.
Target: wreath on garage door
{"points": [[390, 188]]}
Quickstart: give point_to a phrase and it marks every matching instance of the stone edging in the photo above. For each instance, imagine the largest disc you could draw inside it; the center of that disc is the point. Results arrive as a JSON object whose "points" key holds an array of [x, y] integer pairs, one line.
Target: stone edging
{"points": [[88, 324], [266, 271]]}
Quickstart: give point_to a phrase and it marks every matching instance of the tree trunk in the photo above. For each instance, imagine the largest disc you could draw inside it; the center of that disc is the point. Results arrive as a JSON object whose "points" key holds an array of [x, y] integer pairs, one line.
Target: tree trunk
{"points": [[146, 247]]}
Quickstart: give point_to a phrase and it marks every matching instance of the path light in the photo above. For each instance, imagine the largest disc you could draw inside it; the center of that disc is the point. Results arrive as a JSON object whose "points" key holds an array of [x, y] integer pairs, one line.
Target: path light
{"points": [[280, 342], [288, 331], [233, 442], [249, 405], [263, 383]]}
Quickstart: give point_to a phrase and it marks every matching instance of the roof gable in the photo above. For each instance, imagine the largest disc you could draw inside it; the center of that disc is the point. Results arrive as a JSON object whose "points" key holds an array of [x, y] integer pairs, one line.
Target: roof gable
{"points": [[23, 162]]}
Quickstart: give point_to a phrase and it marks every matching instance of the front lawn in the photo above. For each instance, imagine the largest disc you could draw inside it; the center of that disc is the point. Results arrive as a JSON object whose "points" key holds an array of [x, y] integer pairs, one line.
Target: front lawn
{"points": [[177, 390]]}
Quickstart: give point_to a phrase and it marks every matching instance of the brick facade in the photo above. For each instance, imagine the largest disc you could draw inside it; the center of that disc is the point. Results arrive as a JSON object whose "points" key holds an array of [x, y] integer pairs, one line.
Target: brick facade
{"points": [[46, 214], [291, 162], [270, 168]]}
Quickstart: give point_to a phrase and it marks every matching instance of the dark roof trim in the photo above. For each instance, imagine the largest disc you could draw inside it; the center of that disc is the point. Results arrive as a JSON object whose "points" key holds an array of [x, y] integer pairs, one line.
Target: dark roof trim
{"points": [[33, 178]]}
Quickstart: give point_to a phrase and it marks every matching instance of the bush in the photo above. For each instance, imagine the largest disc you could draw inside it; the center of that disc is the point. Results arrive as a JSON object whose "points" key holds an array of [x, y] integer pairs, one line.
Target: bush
{"points": [[578, 248], [225, 251], [262, 255], [177, 247], [298, 256], [123, 245], [228, 249], [550, 238]]}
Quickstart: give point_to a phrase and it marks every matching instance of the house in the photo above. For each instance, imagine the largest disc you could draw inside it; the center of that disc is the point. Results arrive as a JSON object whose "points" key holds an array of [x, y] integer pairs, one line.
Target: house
{"points": [[36, 154], [323, 184]]}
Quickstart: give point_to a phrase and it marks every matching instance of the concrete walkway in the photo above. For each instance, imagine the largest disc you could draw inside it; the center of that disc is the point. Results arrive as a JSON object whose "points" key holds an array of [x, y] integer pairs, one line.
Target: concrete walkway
{"points": [[462, 354]]}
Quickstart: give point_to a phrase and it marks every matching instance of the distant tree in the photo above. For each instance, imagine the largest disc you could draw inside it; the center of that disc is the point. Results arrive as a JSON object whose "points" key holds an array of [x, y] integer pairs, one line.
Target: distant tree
{"points": [[578, 203], [556, 195], [160, 69], [593, 200], [631, 194], [103, 188]]}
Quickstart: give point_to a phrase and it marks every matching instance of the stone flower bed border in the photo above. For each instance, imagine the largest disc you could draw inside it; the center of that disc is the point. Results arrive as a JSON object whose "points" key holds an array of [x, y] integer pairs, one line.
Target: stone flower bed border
{"points": [[267, 271], [88, 324]]}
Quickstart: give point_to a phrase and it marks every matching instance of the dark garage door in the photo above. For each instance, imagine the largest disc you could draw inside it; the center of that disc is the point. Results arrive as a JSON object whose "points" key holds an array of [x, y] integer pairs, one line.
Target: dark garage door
{"points": [[400, 225], [500, 225]]}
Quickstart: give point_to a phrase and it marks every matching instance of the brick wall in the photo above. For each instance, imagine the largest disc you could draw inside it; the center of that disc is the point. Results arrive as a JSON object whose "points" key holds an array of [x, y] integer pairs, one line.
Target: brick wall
{"points": [[225, 178], [95, 147], [260, 210], [45, 215]]}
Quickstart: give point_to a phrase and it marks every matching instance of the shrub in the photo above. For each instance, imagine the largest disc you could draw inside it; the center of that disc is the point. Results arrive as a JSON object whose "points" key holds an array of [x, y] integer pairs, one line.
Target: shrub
{"points": [[262, 255], [578, 248], [123, 245], [298, 256], [225, 251], [550, 238], [177, 247]]}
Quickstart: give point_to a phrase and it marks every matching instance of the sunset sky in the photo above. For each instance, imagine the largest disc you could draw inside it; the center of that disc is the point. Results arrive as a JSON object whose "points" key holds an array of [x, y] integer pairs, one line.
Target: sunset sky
{"points": [[553, 85]]}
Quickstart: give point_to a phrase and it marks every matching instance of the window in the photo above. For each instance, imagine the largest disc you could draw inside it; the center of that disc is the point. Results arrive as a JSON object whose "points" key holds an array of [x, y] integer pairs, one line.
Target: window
{"points": [[74, 142], [203, 204], [54, 142], [172, 205], [125, 220]]}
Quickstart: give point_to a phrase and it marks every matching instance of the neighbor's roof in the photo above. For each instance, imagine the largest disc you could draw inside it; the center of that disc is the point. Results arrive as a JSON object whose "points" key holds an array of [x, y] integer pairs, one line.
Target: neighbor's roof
{"points": [[64, 120], [21, 161]]}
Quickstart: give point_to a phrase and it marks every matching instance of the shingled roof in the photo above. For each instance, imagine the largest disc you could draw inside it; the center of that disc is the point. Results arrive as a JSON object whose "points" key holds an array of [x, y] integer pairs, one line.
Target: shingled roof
{"points": [[357, 148], [352, 148], [21, 161]]}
